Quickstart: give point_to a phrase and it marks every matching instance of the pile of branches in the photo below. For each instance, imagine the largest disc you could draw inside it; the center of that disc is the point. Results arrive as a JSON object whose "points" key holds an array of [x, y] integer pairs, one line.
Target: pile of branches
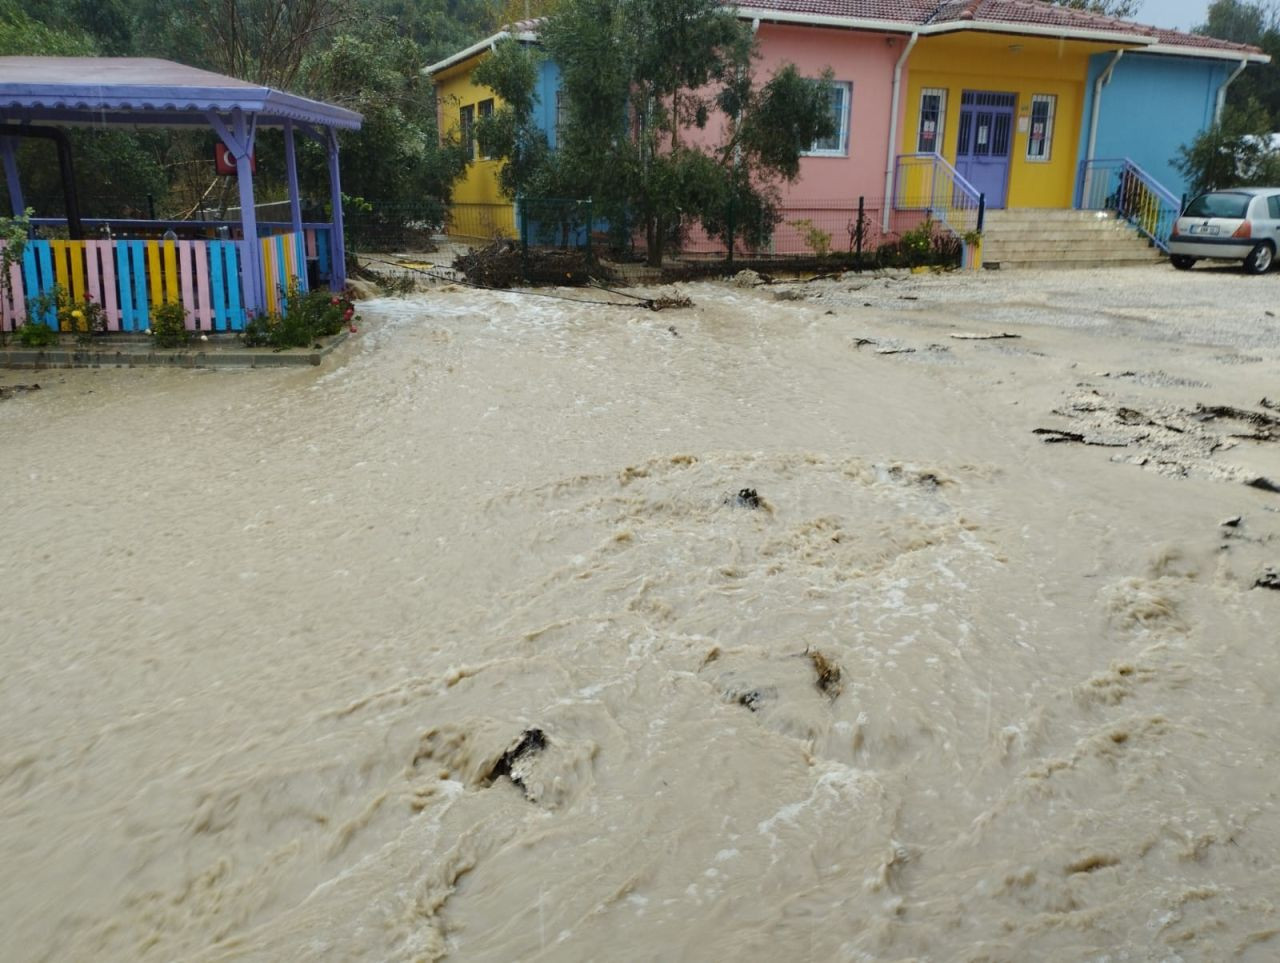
{"points": [[502, 264]]}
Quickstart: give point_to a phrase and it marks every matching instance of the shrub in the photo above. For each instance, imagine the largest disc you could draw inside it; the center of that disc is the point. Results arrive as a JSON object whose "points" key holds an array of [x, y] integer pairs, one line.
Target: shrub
{"points": [[815, 239], [308, 317], [169, 325], [37, 334], [84, 319]]}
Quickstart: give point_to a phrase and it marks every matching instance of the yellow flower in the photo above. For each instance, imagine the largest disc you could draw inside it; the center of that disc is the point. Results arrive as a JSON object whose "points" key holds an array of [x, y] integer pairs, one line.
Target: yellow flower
{"points": [[77, 313]]}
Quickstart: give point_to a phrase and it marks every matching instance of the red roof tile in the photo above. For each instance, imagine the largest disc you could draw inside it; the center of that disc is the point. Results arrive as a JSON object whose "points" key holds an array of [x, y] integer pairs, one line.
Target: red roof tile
{"points": [[997, 13]]}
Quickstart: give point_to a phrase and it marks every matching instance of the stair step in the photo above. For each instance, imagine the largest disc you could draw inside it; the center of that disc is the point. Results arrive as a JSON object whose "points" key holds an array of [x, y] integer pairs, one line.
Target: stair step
{"points": [[1066, 265]]}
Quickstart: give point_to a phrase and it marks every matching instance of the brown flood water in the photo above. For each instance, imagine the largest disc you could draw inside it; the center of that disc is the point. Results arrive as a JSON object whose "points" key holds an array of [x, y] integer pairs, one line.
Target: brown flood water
{"points": [[463, 645]]}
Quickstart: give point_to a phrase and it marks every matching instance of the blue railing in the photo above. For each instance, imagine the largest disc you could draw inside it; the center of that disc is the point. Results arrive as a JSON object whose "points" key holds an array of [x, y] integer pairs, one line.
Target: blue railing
{"points": [[928, 183], [1120, 185]]}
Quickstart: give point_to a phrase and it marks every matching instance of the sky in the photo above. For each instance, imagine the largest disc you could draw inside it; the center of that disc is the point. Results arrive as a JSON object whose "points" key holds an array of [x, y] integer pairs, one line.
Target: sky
{"points": [[1180, 14]]}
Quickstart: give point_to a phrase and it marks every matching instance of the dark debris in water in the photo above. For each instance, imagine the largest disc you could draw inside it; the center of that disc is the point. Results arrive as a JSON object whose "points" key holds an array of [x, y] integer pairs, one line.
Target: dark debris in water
{"points": [[1269, 579], [828, 672], [12, 391], [747, 498], [531, 742], [751, 699]]}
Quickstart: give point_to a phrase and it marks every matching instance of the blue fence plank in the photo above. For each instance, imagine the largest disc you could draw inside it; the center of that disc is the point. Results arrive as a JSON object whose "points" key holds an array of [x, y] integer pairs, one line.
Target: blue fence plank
{"points": [[217, 286], [128, 317], [141, 314], [235, 311]]}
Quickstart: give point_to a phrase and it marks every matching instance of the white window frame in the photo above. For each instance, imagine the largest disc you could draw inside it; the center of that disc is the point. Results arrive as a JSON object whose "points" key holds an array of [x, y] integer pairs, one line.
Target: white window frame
{"points": [[842, 150], [941, 93], [1047, 156]]}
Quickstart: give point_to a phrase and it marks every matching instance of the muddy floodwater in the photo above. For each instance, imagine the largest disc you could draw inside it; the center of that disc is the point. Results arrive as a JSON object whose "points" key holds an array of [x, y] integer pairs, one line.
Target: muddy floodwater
{"points": [[768, 629]]}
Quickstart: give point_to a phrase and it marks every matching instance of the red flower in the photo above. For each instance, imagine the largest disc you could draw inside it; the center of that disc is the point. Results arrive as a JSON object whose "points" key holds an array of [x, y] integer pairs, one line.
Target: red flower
{"points": [[352, 329], [333, 300], [346, 315]]}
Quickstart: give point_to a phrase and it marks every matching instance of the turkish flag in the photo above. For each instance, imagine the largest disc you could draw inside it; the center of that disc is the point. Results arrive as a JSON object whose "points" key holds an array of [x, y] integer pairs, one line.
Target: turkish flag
{"points": [[224, 161]]}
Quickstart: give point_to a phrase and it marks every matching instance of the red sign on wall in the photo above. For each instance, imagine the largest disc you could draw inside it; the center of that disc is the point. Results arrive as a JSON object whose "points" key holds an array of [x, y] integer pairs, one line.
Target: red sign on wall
{"points": [[224, 161]]}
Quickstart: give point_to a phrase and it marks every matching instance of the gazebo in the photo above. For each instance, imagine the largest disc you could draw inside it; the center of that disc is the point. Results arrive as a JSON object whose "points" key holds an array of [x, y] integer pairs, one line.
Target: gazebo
{"points": [[221, 271]]}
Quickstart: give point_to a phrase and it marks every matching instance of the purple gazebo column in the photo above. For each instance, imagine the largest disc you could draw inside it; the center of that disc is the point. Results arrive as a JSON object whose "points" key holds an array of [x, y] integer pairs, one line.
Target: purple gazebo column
{"points": [[11, 176], [337, 247], [291, 171], [239, 140]]}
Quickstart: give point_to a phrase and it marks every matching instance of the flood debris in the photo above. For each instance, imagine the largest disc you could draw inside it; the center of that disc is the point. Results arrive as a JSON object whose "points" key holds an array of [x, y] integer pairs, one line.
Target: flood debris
{"points": [[1232, 522], [978, 336], [1056, 436], [12, 391], [514, 763], [503, 265], [750, 700], [859, 342], [1262, 483], [1269, 579], [669, 301], [747, 498], [828, 673]]}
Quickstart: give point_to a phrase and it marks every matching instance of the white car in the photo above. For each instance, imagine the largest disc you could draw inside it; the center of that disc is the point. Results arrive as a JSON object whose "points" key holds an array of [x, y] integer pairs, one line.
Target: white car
{"points": [[1241, 224]]}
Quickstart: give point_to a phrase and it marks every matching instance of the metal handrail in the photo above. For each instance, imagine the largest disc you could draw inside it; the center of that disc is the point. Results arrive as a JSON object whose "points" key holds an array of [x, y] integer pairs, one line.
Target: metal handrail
{"points": [[949, 198], [1118, 184]]}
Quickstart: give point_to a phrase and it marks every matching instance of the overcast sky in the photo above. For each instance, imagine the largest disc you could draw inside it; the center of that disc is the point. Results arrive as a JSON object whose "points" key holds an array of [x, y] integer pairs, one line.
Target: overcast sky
{"points": [[1180, 14]]}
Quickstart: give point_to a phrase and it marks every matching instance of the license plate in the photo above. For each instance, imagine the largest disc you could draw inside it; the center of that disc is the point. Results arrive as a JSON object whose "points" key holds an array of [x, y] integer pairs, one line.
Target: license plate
{"points": [[1204, 228]]}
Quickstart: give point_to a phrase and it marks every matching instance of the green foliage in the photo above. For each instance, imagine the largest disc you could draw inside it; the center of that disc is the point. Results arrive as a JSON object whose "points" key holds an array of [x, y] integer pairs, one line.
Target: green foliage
{"points": [[84, 319], [637, 79], [310, 316], [511, 131], [1232, 153], [924, 245], [36, 334], [14, 232], [169, 325], [815, 239]]}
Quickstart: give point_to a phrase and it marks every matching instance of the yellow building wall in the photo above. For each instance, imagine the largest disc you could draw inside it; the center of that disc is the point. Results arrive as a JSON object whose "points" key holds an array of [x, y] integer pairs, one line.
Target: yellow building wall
{"points": [[1007, 63], [478, 208]]}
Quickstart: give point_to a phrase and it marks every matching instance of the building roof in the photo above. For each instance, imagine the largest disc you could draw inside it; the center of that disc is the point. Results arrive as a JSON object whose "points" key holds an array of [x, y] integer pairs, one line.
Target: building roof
{"points": [[1002, 16], [1031, 17], [143, 90]]}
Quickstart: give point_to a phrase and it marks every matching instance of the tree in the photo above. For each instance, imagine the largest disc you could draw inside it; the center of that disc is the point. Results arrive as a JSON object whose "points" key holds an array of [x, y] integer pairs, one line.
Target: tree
{"points": [[511, 132], [665, 125], [1232, 153], [1239, 21]]}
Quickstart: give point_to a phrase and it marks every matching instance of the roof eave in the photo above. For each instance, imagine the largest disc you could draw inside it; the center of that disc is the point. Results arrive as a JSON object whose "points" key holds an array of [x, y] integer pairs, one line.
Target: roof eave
{"points": [[1178, 50], [819, 20], [480, 46]]}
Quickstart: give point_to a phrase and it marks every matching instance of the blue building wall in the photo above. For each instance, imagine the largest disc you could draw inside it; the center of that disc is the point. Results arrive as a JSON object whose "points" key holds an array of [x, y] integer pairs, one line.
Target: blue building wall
{"points": [[1153, 105], [544, 109]]}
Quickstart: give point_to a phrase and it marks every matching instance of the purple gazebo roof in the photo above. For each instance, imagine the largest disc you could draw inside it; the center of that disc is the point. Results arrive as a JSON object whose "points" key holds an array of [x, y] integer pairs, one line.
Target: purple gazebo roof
{"points": [[144, 90]]}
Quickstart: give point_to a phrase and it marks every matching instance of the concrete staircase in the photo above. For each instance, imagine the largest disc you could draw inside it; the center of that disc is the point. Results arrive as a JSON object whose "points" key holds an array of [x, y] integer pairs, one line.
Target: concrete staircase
{"points": [[1052, 238]]}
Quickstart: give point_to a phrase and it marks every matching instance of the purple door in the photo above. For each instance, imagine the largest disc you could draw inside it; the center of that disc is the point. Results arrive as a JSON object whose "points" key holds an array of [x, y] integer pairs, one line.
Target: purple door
{"points": [[985, 141]]}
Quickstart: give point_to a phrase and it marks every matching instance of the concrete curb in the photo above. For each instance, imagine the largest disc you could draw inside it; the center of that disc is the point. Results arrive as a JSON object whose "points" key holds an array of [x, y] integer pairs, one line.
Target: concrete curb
{"points": [[140, 354]]}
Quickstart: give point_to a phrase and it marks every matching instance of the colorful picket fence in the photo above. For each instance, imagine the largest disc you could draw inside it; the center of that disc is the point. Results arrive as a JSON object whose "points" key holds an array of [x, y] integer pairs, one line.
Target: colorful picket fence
{"points": [[128, 278], [284, 262]]}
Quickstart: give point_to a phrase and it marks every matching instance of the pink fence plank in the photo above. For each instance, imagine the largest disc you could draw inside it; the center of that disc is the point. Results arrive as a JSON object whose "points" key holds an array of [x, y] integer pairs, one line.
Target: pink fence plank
{"points": [[185, 272], [201, 252], [13, 313], [110, 300]]}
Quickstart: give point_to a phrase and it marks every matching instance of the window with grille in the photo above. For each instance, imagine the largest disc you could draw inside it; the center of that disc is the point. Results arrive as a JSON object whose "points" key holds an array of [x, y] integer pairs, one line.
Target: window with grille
{"points": [[837, 145], [467, 123], [1040, 136], [933, 111], [485, 109]]}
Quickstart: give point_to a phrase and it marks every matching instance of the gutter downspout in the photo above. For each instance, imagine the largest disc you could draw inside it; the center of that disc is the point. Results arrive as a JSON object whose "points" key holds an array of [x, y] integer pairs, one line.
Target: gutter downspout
{"points": [[893, 128], [1222, 92], [1104, 78]]}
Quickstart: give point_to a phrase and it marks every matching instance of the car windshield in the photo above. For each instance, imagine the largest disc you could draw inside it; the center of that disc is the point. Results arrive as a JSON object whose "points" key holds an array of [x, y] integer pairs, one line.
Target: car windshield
{"points": [[1218, 205]]}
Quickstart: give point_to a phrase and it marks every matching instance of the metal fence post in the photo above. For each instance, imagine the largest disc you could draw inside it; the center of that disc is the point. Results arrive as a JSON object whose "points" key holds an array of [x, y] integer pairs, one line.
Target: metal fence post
{"points": [[862, 225], [523, 214], [982, 210]]}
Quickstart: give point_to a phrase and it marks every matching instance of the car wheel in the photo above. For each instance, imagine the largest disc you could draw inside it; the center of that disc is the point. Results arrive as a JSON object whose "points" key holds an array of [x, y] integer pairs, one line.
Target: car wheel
{"points": [[1259, 259], [1182, 262]]}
